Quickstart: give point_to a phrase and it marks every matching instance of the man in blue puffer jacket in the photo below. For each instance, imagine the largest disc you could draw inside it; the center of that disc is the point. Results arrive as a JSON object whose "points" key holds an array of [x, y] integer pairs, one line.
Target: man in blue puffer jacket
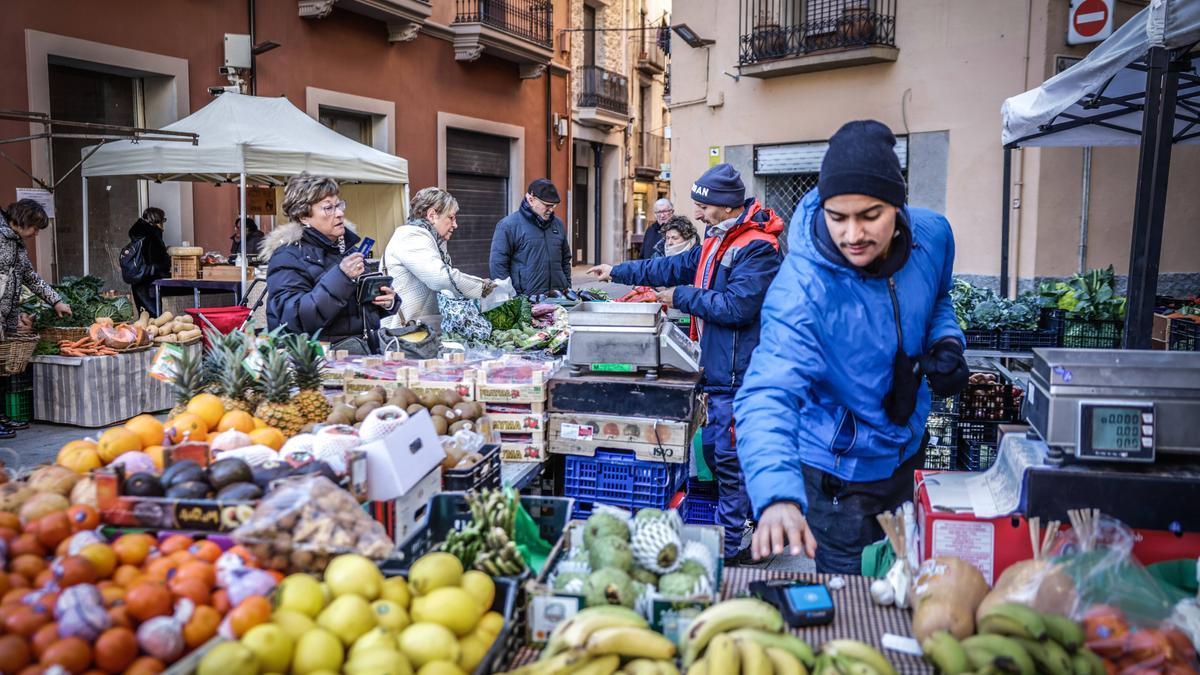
{"points": [[831, 417], [530, 245], [722, 285]]}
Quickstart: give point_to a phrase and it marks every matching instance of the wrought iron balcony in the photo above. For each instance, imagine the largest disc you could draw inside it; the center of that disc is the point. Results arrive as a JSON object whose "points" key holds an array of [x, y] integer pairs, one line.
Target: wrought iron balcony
{"points": [[603, 98], [652, 58], [783, 37], [652, 153], [520, 31]]}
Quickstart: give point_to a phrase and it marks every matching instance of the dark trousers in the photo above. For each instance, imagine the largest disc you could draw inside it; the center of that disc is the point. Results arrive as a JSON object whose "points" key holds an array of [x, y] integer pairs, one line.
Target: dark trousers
{"points": [[842, 514], [143, 297], [720, 453]]}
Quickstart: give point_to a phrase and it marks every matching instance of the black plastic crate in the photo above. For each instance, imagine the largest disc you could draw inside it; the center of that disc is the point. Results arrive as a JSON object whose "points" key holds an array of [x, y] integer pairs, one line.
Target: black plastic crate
{"points": [[977, 456], [1184, 336], [982, 339], [17, 382], [482, 475], [998, 401], [942, 429], [941, 457], [978, 432], [1028, 340], [945, 404], [1092, 334]]}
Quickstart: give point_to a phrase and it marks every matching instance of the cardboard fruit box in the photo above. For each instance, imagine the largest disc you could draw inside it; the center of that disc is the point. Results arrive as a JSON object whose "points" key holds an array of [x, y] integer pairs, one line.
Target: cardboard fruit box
{"points": [[671, 616], [649, 439]]}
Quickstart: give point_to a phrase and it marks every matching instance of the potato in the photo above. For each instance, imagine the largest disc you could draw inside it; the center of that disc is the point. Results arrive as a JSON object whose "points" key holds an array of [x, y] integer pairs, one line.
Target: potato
{"points": [[942, 614], [946, 591]]}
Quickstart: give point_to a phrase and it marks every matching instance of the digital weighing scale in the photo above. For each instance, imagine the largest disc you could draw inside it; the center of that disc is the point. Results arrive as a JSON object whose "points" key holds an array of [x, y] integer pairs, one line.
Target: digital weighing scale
{"points": [[627, 337], [1100, 405]]}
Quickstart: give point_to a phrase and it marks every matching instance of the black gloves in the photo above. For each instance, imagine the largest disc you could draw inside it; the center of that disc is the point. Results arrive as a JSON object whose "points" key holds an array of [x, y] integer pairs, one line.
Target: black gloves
{"points": [[945, 367], [901, 400]]}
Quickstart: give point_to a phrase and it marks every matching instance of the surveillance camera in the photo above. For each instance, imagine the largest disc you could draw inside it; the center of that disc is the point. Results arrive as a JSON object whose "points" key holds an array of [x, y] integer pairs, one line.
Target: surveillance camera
{"points": [[217, 91], [227, 70]]}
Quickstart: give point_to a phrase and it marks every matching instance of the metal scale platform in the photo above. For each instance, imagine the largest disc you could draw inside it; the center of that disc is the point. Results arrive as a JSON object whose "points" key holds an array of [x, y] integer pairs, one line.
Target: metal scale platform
{"points": [[627, 337]]}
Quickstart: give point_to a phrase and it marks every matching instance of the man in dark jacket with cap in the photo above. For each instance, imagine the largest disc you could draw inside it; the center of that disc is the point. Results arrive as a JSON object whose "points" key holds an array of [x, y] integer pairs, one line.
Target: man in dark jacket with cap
{"points": [[530, 246], [722, 284], [831, 417]]}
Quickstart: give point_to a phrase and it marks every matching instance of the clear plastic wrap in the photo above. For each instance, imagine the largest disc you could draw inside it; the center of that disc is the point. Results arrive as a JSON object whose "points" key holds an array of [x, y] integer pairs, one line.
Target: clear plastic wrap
{"points": [[305, 522]]}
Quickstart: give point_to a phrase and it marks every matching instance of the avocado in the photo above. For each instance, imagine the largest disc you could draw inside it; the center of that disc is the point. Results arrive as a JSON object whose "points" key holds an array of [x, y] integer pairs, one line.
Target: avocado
{"points": [[191, 489], [239, 492], [143, 485], [318, 467], [227, 472], [265, 474], [182, 471]]}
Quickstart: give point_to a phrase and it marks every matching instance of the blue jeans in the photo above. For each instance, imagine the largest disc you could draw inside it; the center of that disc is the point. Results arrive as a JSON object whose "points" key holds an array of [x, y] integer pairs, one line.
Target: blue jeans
{"points": [[842, 514], [720, 453]]}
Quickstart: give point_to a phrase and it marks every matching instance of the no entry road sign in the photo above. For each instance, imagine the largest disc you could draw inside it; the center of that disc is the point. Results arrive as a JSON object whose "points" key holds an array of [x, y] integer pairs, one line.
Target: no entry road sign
{"points": [[1089, 21]]}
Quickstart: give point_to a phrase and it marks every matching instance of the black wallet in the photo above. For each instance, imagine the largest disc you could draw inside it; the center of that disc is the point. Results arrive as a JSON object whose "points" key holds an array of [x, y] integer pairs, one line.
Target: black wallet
{"points": [[370, 285]]}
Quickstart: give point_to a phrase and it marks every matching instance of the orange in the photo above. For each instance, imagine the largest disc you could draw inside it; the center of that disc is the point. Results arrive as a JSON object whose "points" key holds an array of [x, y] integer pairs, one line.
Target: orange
{"points": [[254, 610], [236, 419], [259, 424], [220, 601], [155, 452], [146, 665], [10, 520], [199, 570], [113, 596], [126, 575], [83, 517], [191, 588], [116, 442], [102, 557], [268, 436], [148, 600], [161, 569], [189, 425], [119, 616], [202, 626], [79, 456], [116, 648], [208, 408], [132, 549], [205, 550], [147, 428], [175, 543]]}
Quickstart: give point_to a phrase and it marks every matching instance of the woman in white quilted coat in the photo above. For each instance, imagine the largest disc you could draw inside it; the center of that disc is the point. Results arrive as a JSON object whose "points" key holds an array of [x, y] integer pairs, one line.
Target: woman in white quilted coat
{"points": [[420, 267]]}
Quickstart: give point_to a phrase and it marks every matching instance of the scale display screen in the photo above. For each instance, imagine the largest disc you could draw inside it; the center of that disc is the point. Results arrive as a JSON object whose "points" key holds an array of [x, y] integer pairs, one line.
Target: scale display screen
{"points": [[1116, 431]]}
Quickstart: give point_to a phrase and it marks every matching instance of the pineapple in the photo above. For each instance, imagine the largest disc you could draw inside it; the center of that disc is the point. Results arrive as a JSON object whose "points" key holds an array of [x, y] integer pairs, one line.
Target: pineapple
{"points": [[306, 365], [275, 385], [232, 378], [187, 381]]}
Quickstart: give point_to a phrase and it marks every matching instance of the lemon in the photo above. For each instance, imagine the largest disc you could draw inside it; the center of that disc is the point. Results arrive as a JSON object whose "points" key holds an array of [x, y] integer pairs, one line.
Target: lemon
{"points": [[474, 647], [491, 623], [396, 590], [271, 645], [481, 587], [387, 661], [390, 615], [292, 622], [316, 650], [425, 642], [440, 668], [348, 617], [228, 658], [300, 593], [451, 607], [433, 571]]}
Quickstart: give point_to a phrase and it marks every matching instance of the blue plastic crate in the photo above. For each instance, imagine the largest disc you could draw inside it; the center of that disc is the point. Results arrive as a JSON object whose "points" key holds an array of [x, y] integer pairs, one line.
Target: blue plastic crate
{"points": [[581, 511], [703, 488], [698, 510], [616, 477]]}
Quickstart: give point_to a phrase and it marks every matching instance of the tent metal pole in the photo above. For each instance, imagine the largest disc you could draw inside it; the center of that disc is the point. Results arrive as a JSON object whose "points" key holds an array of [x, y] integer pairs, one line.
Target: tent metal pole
{"points": [[1154, 164], [1005, 220], [85, 222], [242, 248]]}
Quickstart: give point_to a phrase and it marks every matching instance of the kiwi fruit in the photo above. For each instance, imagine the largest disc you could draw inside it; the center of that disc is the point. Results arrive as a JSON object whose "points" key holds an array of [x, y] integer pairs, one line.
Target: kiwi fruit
{"points": [[440, 425], [405, 394], [439, 409], [451, 398], [340, 417], [414, 408], [365, 409], [379, 393], [464, 410], [459, 426], [429, 400]]}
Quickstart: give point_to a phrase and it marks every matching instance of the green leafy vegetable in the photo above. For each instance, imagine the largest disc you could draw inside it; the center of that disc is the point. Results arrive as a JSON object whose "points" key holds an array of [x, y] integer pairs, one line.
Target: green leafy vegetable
{"points": [[85, 296], [1090, 296], [515, 313], [982, 309]]}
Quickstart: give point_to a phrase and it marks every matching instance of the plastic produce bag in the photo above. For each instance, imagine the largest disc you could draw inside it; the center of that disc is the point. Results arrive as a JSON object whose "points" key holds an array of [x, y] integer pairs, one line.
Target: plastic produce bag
{"points": [[502, 293], [528, 536], [305, 522]]}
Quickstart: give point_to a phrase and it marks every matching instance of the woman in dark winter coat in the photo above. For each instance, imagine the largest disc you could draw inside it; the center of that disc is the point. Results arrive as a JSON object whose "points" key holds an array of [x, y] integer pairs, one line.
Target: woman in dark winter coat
{"points": [[144, 259], [311, 280], [21, 220]]}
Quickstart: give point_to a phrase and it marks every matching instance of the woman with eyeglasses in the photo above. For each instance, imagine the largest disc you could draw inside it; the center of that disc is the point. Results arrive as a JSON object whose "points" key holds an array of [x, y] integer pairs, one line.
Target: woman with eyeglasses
{"points": [[313, 270], [419, 264]]}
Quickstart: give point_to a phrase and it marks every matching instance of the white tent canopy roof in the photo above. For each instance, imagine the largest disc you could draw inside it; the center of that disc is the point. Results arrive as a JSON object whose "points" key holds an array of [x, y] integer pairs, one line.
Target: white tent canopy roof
{"points": [[268, 139], [1110, 72]]}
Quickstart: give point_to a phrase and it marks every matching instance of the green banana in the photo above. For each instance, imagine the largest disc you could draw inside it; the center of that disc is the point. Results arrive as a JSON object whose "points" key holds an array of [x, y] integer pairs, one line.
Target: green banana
{"points": [[946, 653], [999, 651], [1064, 631], [785, 641], [859, 651], [784, 662], [1095, 664], [753, 658], [726, 616], [824, 666], [1013, 620], [722, 655], [1049, 656]]}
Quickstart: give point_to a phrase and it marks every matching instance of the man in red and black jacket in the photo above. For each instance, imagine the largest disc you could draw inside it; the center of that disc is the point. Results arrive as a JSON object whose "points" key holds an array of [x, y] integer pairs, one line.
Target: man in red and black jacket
{"points": [[722, 285]]}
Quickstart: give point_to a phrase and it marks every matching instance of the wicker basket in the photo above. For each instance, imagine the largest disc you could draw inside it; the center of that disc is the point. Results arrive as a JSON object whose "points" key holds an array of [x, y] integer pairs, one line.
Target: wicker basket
{"points": [[15, 352], [57, 335], [185, 261]]}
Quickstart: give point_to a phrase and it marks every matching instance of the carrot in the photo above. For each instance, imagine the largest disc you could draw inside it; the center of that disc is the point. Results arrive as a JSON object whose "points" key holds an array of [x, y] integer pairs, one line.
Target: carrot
{"points": [[67, 351]]}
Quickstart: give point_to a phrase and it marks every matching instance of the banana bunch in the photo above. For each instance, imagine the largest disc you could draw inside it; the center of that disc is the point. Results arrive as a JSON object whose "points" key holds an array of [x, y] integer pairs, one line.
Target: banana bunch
{"points": [[744, 635], [486, 543], [598, 639], [1018, 640], [851, 657]]}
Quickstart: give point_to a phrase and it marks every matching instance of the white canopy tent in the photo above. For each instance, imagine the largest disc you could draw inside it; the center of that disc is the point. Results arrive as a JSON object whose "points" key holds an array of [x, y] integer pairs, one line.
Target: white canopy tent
{"points": [[1139, 87], [263, 140]]}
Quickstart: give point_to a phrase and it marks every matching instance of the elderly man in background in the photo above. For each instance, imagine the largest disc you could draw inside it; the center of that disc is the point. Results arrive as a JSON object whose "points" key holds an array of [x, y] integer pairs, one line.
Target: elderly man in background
{"points": [[664, 210]]}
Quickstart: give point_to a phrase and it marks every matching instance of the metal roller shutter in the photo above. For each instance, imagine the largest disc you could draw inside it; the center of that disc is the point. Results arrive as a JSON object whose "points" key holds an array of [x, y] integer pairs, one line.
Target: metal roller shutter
{"points": [[806, 157], [477, 174]]}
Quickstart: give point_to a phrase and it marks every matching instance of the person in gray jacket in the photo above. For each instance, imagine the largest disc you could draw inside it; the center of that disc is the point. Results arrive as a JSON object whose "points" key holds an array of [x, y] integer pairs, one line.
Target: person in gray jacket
{"points": [[530, 246]]}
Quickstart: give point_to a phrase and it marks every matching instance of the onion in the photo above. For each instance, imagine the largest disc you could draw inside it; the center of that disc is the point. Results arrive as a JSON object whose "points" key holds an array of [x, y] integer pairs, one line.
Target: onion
{"points": [[84, 621], [53, 478], [81, 540], [135, 462], [162, 636], [75, 597], [84, 492]]}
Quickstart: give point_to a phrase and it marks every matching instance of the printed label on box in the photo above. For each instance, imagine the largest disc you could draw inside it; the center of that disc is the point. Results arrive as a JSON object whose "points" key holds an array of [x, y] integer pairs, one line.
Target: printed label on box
{"points": [[547, 611], [578, 432], [973, 541]]}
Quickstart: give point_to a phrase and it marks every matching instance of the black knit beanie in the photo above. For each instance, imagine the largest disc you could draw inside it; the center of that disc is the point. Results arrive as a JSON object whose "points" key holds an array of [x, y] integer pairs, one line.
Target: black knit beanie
{"points": [[861, 161]]}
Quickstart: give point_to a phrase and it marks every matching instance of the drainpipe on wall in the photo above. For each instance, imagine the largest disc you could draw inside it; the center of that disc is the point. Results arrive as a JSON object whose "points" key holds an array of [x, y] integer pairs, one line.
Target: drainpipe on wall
{"points": [[253, 72], [598, 162], [549, 125], [1084, 208]]}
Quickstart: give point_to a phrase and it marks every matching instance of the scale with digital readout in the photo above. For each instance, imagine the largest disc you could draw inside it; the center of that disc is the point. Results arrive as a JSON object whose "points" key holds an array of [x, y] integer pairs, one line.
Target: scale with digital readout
{"points": [[627, 337], [1098, 405]]}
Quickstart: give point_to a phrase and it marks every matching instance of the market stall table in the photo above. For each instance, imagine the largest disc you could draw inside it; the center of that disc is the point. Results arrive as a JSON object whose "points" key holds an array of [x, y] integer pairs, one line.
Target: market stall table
{"points": [[198, 287], [96, 391], [856, 617]]}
